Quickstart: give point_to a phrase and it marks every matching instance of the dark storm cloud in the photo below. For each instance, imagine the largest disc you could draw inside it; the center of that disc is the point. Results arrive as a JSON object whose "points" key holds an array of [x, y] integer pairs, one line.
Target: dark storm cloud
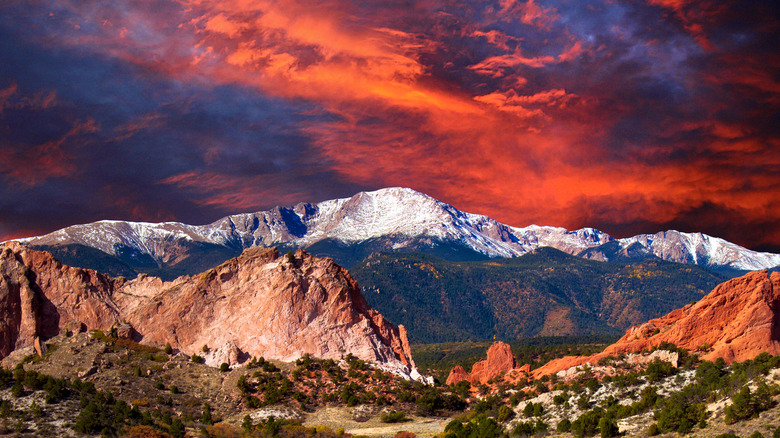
{"points": [[85, 138], [625, 116]]}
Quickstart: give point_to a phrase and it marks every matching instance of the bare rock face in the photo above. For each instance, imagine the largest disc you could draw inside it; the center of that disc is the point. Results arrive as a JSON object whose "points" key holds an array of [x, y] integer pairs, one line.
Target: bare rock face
{"points": [[258, 304], [457, 374], [227, 353], [500, 360], [737, 320], [38, 295]]}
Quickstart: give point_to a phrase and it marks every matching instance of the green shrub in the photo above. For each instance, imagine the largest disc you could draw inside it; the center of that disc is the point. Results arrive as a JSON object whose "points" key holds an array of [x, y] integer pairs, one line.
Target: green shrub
{"points": [[588, 423], [583, 402], [524, 428], [177, 429], [158, 357], [564, 425], [608, 427], [746, 405], [561, 398], [505, 413], [540, 427], [653, 430], [206, 417], [533, 410], [243, 385], [658, 369], [679, 414], [37, 412], [394, 417], [17, 390]]}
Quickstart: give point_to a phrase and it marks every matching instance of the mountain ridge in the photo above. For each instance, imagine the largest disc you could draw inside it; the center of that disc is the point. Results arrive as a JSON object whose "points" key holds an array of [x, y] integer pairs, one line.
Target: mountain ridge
{"points": [[399, 219]]}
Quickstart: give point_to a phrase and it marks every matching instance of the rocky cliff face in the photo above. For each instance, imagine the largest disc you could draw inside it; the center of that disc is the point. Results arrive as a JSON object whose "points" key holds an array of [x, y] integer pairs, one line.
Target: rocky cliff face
{"points": [[736, 321], [38, 295], [258, 304]]}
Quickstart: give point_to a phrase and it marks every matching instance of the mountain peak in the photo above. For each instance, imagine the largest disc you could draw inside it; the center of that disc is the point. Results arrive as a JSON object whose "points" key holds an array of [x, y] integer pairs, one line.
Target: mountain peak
{"points": [[395, 218]]}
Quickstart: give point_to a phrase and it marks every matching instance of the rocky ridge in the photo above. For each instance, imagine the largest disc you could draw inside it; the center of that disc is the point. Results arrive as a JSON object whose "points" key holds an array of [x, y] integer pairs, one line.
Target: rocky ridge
{"points": [[392, 218], [738, 320], [258, 304]]}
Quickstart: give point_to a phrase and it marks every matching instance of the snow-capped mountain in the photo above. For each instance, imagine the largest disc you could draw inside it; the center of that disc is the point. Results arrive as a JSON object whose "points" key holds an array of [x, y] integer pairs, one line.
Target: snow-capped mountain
{"points": [[401, 218], [701, 249]]}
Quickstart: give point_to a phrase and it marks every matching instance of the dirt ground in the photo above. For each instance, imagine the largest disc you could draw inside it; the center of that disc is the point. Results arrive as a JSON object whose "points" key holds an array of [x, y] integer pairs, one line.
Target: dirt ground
{"points": [[336, 417]]}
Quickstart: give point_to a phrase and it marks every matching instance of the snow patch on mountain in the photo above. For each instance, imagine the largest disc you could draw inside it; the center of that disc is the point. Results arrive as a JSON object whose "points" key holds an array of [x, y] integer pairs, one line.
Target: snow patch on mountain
{"points": [[704, 250], [402, 215]]}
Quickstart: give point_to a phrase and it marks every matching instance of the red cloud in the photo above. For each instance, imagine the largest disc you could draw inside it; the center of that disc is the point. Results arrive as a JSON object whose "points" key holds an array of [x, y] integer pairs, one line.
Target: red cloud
{"points": [[696, 16], [11, 98], [527, 12], [482, 146], [232, 193], [32, 164]]}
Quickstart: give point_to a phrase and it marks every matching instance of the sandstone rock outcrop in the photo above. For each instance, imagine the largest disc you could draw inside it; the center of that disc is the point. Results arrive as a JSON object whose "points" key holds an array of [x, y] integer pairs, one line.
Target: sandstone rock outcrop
{"points": [[738, 320], [500, 360], [457, 374], [258, 304]]}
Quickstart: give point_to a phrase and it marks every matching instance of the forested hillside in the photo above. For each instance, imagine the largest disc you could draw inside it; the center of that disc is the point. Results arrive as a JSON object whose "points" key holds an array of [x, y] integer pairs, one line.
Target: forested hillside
{"points": [[543, 293]]}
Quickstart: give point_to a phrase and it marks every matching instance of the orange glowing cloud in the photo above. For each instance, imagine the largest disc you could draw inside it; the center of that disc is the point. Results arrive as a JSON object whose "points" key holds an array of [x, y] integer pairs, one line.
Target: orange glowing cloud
{"points": [[498, 66], [545, 127]]}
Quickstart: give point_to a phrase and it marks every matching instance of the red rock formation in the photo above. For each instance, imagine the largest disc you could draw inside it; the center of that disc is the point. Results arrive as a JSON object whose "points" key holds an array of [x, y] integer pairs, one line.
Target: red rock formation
{"points": [[736, 321], [257, 304], [457, 375], [38, 295], [500, 360]]}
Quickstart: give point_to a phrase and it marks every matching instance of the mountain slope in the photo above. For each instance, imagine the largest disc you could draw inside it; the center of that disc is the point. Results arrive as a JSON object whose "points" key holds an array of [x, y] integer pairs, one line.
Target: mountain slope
{"points": [[690, 248], [392, 219], [543, 293]]}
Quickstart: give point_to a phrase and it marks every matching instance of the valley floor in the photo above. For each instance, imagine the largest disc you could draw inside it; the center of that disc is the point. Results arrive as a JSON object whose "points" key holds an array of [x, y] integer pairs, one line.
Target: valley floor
{"points": [[336, 417]]}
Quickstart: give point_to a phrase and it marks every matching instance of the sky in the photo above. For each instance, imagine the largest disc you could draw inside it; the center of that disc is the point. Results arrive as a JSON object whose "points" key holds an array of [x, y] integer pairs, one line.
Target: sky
{"points": [[631, 117]]}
